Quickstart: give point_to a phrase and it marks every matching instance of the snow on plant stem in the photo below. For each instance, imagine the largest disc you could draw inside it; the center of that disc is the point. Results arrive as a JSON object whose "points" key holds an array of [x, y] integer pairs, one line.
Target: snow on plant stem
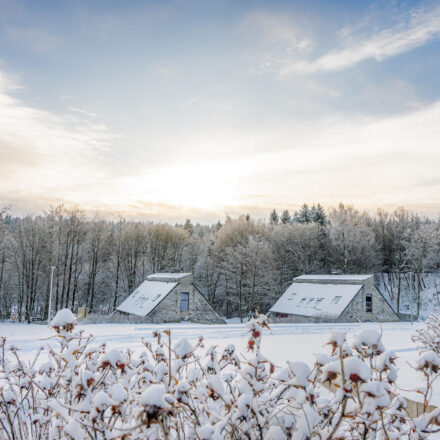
{"points": [[187, 391]]}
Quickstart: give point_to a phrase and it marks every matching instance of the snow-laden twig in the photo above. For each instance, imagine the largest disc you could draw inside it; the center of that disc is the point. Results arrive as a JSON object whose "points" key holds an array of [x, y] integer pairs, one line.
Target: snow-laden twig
{"points": [[189, 392]]}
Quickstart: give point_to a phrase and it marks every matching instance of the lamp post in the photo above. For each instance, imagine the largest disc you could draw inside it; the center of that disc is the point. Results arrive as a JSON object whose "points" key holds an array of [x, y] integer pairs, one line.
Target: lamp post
{"points": [[50, 294]]}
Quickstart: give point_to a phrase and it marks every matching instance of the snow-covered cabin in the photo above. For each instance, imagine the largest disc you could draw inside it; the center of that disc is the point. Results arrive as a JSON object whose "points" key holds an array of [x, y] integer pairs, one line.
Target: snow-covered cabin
{"points": [[170, 297], [342, 298]]}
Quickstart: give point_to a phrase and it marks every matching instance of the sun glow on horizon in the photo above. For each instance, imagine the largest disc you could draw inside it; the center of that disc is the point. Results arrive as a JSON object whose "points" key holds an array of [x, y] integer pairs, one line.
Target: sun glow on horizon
{"points": [[207, 185]]}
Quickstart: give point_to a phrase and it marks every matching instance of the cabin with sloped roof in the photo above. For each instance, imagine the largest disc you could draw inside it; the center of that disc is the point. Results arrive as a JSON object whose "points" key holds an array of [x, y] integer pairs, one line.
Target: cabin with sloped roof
{"points": [[332, 298], [169, 297]]}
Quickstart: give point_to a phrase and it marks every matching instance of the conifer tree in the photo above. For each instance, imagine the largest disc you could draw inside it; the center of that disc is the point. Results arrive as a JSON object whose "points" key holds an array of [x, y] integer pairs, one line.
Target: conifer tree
{"points": [[285, 217], [274, 218], [189, 227], [318, 215], [304, 215]]}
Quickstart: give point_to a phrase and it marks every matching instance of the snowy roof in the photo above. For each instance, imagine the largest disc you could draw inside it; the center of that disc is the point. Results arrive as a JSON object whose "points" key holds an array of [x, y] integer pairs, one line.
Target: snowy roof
{"points": [[167, 275], [146, 297], [334, 277], [310, 299]]}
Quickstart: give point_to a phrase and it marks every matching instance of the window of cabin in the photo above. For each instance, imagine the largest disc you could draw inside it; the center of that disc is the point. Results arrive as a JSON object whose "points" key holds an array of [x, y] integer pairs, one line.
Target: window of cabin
{"points": [[336, 299], [135, 293], [184, 302], [140, 301], [318, 302], [369, 303]]}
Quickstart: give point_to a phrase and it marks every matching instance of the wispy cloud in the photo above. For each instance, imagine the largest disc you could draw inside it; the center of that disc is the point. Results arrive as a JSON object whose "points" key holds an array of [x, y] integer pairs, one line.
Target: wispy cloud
{"points": [[415, 28], [390, 161], [247, 145], [35, 38], [45, 155], [189, 102], [84, 112], [370, 162], [277, 29]]}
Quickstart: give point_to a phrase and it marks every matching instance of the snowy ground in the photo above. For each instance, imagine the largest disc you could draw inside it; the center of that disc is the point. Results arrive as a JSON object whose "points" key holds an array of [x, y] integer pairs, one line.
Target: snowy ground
{"points": [[285, 342]]}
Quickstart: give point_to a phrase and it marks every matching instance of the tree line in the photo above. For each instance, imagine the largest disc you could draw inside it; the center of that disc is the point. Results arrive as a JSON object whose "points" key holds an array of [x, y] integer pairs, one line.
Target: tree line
{"points": [[241, 265]]}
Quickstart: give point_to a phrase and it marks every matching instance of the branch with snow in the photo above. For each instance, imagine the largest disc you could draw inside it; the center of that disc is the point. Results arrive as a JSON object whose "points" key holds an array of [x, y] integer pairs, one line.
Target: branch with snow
{"points": [[182, 390]]}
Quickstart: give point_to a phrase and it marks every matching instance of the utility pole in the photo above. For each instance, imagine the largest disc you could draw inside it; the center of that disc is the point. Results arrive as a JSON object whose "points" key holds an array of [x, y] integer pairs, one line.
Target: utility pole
{"points": [[50, 294]]}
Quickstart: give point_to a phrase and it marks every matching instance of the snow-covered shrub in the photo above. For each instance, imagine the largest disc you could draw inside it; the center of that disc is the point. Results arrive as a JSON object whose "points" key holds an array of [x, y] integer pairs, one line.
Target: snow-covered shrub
{"points": [[184, 390], [429, 335]]}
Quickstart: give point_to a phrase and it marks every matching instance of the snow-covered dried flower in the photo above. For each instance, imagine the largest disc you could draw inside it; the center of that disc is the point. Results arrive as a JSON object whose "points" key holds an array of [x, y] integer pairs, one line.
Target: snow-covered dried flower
{"points": [[64, 320], [368, 342]]}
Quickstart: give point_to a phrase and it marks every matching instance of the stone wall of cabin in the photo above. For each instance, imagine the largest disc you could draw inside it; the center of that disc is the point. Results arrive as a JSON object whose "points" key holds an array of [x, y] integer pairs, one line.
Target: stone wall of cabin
{"points": [[355, 312], [199, 309]]}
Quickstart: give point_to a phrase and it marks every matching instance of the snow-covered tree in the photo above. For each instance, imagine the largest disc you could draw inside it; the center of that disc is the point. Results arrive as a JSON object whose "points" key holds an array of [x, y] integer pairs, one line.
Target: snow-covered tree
{"points": [[353, 240], [98, 261], [304, 215], [274, 218], [286, 217], [318, 215], [421, 252], [189, 227]]}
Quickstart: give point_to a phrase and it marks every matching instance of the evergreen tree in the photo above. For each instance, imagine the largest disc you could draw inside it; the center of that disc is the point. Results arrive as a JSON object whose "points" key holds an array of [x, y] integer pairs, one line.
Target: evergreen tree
{"points": [[285, 217], [304, 215], [274, 218], [189, 227], [318, 215]]}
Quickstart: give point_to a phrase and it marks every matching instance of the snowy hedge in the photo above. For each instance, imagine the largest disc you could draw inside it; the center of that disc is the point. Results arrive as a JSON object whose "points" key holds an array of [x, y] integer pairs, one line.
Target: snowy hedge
{"points": [[177, 390]]}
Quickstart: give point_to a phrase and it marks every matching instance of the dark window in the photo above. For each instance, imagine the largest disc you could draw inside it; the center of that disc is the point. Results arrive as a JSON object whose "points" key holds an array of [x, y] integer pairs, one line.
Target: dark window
{"points": [[369, 303], [184, 302], [318, 303], [140, 301]]}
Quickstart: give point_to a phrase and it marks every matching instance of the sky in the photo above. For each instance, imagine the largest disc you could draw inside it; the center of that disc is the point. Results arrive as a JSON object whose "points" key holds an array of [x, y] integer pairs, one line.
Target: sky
{"points": [[201, 109]]}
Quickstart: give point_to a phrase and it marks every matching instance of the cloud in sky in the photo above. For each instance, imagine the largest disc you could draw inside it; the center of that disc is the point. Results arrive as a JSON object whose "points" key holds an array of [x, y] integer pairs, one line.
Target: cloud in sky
{"points": [[35, 38], [199, 134], [372, 162], [189, 102], [275, 28], [46, 158], [84, 112], [416, 27], [46, 155]]}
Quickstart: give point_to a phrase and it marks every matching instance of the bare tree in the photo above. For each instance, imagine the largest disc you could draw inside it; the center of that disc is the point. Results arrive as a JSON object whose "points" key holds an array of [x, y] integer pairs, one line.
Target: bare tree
{"points": [[353, 240]]}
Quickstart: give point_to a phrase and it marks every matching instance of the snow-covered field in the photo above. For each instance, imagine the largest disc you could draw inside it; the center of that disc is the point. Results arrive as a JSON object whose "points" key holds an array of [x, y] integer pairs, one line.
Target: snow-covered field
{"points": [[284, 342]]}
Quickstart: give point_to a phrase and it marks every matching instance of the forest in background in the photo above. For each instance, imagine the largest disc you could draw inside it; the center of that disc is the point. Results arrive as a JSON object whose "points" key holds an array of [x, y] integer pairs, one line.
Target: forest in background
{"points": [[241, 265]]}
